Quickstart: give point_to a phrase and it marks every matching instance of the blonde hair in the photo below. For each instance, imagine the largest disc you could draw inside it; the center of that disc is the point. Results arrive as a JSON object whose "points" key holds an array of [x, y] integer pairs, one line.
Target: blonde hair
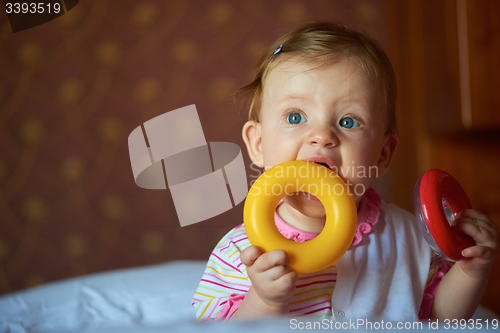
{"points": [[323, 43]]}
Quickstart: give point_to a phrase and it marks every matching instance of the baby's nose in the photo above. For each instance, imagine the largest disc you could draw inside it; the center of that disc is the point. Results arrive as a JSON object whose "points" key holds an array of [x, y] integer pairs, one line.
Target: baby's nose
{"points": [[323, 137]]}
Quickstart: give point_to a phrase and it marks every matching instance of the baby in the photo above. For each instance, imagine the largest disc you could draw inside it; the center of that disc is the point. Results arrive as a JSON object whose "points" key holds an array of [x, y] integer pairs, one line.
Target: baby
{"points": [[326, 93]]}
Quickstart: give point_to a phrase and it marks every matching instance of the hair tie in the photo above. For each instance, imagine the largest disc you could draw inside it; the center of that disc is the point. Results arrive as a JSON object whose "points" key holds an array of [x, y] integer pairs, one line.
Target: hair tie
{"points": [[278, 49]]}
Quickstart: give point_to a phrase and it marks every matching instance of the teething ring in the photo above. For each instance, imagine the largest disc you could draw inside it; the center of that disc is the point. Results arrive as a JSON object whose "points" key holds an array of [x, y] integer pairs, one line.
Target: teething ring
{"points": [[341, 216], [432, 187]]}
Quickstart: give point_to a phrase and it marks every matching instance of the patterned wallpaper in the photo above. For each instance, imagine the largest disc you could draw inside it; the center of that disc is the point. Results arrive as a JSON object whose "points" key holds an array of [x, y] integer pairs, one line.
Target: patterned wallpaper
{"points": [[72, 90]]}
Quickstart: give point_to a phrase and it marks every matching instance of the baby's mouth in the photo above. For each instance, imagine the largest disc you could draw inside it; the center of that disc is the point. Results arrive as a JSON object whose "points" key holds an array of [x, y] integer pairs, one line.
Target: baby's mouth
{"points": [[311, 197], [323, 164]]}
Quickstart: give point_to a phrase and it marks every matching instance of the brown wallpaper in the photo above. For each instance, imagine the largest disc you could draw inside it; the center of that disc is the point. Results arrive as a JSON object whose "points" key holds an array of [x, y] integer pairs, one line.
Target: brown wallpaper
{"points": [[71, 91]]}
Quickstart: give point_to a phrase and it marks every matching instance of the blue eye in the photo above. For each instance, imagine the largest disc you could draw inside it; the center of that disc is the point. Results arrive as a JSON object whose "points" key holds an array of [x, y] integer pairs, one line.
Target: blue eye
{"points": [[295, 118], [349, 122]]}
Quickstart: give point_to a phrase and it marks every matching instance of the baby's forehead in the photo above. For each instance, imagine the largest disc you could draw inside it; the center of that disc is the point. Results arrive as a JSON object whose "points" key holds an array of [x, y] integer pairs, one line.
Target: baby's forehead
{"points": [[298, 68], [294, 73]]}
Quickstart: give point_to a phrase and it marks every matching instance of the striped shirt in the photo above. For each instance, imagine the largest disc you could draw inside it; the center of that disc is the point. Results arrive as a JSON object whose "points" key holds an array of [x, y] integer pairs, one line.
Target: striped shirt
{"points": [[225, 281]]}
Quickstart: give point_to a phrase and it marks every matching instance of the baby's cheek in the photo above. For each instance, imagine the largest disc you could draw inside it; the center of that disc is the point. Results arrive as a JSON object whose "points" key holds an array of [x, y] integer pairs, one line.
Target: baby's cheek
{"points": [[358, 184]]}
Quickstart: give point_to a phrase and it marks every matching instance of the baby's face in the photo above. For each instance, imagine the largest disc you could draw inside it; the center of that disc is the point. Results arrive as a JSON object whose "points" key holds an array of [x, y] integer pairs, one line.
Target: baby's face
{"points": [[327, 114]]}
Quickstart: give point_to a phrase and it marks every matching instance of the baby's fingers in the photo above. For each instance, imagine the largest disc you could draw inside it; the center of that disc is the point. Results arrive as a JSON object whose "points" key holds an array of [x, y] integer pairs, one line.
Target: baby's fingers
{"points": [[483, 232], [483, 252], [271, 259], [276, 272], [474, 214], [249, 255], [287, 282], [475, 217], [289, 278]]}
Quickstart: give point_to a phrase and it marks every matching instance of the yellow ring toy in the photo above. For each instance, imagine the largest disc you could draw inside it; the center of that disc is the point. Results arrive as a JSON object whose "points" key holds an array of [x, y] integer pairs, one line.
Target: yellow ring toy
{"points": [[341, 216]]}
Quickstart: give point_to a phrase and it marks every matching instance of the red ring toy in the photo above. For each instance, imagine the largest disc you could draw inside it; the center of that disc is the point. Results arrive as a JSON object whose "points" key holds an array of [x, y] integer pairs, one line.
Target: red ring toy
{"points": [[432, 187]]}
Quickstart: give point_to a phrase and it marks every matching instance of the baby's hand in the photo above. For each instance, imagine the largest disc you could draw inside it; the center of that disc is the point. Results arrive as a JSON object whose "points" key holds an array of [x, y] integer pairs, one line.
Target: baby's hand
{"points": [[479, 258], [271, 279]]}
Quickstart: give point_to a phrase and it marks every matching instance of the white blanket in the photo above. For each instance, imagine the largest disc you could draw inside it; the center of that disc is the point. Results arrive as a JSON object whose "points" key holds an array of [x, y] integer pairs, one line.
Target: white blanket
{"points": [[147, 299]]}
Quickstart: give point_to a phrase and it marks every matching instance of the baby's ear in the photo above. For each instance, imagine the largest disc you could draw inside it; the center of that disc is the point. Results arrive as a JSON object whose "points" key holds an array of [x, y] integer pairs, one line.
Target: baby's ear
{"points": [[387, 153], [252, 137]]}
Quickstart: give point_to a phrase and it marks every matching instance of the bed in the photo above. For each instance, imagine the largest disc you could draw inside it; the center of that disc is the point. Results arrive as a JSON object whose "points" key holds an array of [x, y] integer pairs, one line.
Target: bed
{"points": [[146, 299]]}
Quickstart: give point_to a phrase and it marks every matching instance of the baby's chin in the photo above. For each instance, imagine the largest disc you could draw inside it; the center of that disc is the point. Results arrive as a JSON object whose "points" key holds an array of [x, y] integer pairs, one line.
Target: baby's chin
{"points": [[309, 205], [306, 204]]}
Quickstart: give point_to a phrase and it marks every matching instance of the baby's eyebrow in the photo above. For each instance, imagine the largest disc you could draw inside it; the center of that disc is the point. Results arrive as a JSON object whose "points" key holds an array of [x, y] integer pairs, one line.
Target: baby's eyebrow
{"points": [[292, 96]]}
